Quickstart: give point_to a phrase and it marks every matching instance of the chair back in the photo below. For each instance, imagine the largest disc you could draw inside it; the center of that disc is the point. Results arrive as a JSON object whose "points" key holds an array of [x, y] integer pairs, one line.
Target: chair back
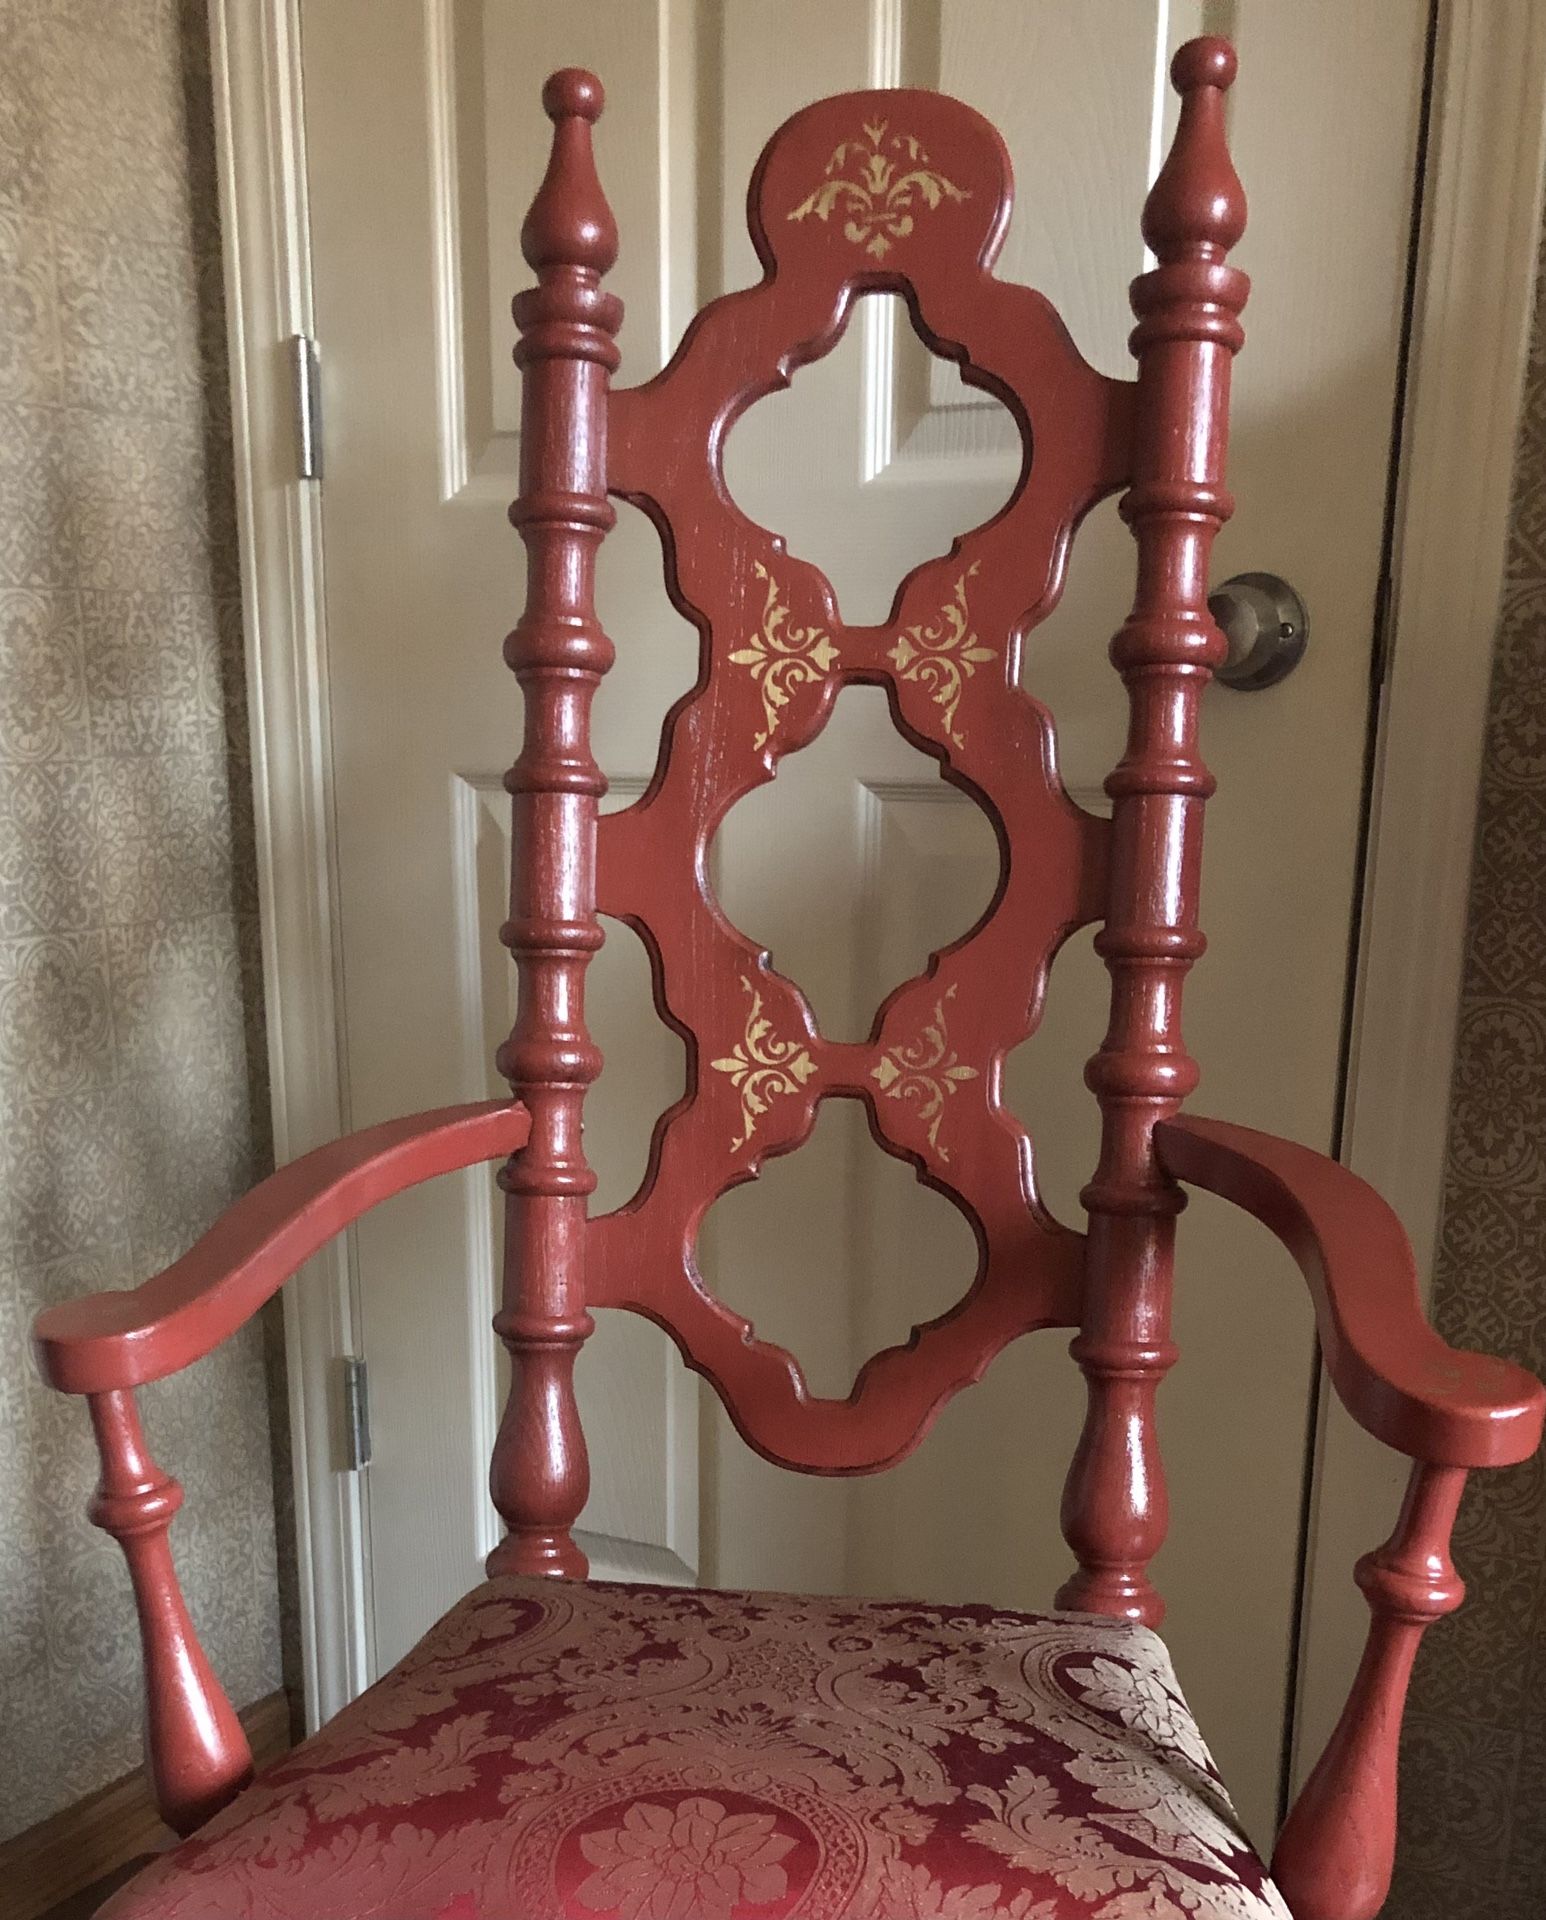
{"points": [[903, 192]]}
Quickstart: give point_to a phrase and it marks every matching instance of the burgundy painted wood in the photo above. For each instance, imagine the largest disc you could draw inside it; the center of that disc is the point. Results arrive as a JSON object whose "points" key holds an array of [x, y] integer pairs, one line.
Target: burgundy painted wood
{"points": [[540, 1476], [107, 1343], [1334, 1857], [1115, 1505], [1448, 1410], [196, 1753], [126, 1337], [775, 653], [1392, 1372]]}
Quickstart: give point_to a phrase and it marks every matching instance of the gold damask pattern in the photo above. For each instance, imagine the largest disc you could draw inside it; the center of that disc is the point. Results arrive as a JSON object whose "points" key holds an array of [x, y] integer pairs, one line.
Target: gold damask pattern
{"points": [[762, 1067], [878, 185], [130, 1055], [1473, 1790], [943, 654], [781, 656], [577, 1751], [926, 1072]]}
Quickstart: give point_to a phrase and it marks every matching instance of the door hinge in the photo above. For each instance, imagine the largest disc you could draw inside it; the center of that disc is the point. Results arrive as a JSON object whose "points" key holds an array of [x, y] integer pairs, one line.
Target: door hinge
{"points": [[306, 384], [356, 1383]]}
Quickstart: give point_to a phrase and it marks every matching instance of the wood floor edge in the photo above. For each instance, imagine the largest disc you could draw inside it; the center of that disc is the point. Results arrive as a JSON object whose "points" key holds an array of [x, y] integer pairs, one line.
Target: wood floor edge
{"points": [[84, 1843]]}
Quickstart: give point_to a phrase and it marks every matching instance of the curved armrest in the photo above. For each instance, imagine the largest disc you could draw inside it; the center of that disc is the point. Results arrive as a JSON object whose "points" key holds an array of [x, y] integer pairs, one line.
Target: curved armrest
{"points": [[107, 1341], [1446, 1410], [1393, 1373]]}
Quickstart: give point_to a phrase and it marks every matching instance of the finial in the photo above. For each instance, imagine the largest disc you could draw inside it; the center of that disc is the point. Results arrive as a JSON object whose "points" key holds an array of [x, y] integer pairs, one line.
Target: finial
{"points": [[570, 223], [573, 94], [1196, 207], [1205, 62]]}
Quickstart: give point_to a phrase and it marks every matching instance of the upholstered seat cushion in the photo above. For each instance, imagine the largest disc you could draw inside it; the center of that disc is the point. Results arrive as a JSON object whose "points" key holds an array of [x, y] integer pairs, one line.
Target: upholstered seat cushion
{"points": [[656, 1754]]}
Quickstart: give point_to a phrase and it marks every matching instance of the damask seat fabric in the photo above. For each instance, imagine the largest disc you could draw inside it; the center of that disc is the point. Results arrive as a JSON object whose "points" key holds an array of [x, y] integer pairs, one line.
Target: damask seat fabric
{"points": [[582, 1749]]}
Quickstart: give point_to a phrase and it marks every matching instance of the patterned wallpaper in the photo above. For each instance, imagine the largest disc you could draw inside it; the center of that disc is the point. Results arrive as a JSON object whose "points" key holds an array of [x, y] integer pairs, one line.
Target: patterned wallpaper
{"points": [[1473, 1832], [132, 1100]]}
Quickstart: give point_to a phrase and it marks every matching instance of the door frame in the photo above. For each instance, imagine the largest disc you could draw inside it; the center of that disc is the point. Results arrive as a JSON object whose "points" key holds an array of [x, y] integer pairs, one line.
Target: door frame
{"points": [[265, 240], [1474, 296], [1474, 299]]}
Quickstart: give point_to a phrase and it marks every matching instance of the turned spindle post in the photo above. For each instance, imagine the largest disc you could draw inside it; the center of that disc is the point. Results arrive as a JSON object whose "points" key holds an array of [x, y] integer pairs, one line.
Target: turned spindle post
{"points": [[195, 1750], [1334, 1857], [558, 652], [1114, 1505]]}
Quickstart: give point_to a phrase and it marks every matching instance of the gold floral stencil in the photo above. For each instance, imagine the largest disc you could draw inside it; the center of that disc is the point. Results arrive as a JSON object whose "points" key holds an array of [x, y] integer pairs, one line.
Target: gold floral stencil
{"points": [[878, 183], [943, 654], [762, 1066], [926, 1071], [781, 656]]}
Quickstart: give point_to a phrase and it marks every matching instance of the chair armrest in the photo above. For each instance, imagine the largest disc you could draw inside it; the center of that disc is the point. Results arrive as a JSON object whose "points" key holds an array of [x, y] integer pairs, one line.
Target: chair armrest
{"points": [[1392, 1372], [107, 1344], [123, 1338], [1446, 1410]]}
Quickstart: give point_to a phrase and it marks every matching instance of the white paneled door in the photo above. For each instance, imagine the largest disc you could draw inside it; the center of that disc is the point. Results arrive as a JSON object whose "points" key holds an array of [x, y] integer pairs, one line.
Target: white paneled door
{"points": [[424, 143]]}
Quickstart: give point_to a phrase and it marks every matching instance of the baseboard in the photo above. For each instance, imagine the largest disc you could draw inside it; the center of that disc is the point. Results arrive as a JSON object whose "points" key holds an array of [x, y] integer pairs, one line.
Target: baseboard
{"points": [[80, 1845]]}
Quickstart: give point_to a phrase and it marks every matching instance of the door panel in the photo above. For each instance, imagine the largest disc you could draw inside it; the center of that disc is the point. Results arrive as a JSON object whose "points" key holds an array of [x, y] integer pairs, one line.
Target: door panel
{"points": [[422, 157]]}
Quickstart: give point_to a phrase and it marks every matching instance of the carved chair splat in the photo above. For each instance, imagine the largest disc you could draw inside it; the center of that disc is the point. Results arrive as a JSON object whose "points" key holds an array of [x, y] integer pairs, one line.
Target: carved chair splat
{"points": [[901, 192]]}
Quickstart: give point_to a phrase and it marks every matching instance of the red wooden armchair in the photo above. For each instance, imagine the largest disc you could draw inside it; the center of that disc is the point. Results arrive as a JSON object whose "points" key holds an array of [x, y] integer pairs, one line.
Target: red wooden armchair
{"points": [[556, 1746]]}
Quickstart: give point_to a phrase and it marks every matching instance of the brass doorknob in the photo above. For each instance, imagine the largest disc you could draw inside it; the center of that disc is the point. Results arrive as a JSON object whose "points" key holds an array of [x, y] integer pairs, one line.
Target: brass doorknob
{"points": [[1266, 625]]}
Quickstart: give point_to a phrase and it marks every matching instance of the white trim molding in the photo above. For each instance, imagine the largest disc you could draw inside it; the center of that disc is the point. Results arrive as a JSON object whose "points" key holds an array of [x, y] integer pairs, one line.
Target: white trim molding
{"points": [[255, 55], [446, 230], [1470, 338]]}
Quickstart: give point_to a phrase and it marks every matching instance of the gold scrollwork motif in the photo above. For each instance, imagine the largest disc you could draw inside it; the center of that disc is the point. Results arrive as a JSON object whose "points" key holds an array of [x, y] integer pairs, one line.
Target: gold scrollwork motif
{"points": [[926, 1071], [943, 654], [762, 1066], [781, 656], [878, 183]]}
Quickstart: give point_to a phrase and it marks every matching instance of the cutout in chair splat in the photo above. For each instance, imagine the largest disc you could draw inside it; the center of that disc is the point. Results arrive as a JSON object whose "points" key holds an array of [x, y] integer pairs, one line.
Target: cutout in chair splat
{"points": [[1044, 1077], [647, 1061], [658, 647], [808, 1251], [855, 864], [817, 460]]}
